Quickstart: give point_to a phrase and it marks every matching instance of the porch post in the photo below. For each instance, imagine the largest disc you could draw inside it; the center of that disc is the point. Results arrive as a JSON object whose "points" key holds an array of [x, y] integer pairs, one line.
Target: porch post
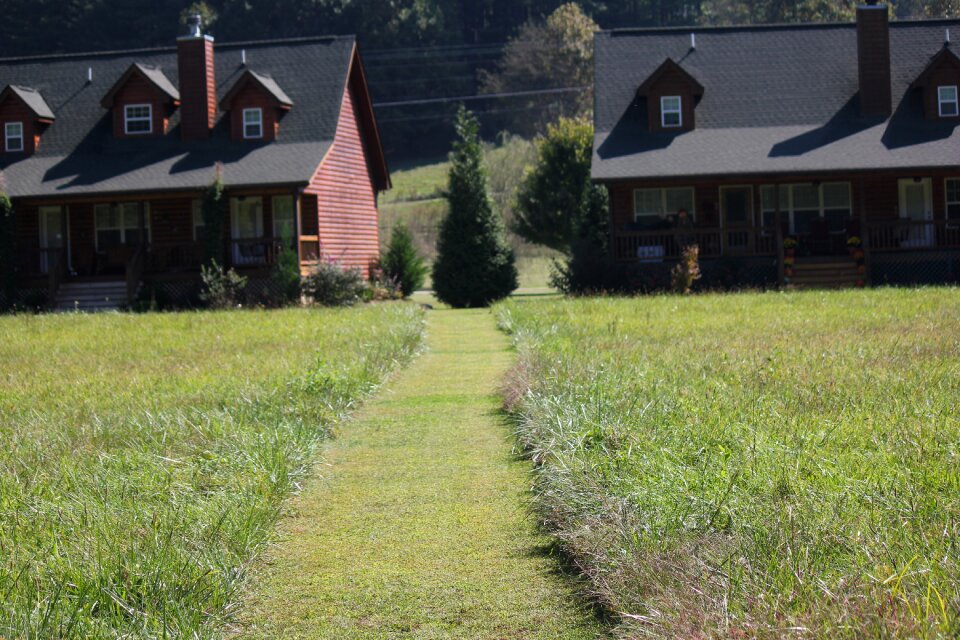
{"points": [[141, 223], [865, 234], [778, 217], [298, 221]]}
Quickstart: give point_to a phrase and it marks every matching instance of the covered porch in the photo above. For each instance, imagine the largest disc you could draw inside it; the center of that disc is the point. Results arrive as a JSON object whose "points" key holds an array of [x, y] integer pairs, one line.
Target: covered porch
{"points": [[781, 226], [159, 238]]}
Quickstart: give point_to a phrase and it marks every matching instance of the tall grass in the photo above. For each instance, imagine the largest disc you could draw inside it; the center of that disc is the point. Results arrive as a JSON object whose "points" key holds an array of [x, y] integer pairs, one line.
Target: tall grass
{"points": [[756, 465], [144, 459]]}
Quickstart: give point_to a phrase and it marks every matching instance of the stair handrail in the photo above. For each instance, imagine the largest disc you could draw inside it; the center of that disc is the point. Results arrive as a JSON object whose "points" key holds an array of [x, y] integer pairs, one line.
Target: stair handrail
{"points": [[134, 271]]}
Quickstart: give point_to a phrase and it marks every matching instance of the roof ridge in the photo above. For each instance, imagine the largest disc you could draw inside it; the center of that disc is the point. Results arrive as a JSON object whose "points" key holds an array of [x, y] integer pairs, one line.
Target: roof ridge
{"points": [[777, 26], [76, 55]]}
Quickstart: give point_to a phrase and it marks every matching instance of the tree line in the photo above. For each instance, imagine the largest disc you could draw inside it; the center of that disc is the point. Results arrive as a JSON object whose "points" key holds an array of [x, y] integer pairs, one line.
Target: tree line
{"points": [[46, 26]]}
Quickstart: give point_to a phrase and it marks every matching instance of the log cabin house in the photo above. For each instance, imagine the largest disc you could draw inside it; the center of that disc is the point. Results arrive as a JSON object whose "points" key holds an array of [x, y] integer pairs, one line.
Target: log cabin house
{"points": [[106, 157], [805, 154]]}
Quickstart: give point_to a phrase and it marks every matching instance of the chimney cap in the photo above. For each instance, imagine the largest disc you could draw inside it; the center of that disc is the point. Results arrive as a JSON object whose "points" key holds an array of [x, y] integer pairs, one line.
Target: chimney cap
{"points": [[195, 24]]}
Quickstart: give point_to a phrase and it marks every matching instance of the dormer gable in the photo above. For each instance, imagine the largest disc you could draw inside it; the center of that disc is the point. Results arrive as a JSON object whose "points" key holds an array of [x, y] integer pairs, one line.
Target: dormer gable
{"points": [[671, 94], [939, 85], [256, 103], [141, 101], [24, 116]]}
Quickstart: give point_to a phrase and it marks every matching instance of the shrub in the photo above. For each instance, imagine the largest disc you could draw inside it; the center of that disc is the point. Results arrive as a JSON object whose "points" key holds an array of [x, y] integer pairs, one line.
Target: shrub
{"points": [[687, 270], [382, 287], [402, 264], [221, 289], [330, 285], [475, 266], [286, 276], [585, 271]]}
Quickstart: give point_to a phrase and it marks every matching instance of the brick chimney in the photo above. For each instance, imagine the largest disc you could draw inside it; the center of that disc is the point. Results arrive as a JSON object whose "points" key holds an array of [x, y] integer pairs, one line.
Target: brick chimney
{"points": [[873, 55], [198, 90]]}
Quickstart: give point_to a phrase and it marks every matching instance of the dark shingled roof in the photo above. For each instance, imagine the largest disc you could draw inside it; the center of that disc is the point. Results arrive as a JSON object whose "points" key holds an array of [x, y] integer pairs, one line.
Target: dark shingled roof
{"points": [[272, 88], [32, 98], [777, 99], [78, 154]]}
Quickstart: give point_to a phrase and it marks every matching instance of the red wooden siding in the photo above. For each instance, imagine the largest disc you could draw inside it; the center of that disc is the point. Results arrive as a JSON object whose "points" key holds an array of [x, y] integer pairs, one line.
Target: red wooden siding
{"points": [[137, 90], [346, 197]]}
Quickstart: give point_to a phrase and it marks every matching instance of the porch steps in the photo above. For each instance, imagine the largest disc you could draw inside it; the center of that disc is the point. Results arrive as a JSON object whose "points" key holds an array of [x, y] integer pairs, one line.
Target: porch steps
{"points": [[824, 274], [91, 296]]}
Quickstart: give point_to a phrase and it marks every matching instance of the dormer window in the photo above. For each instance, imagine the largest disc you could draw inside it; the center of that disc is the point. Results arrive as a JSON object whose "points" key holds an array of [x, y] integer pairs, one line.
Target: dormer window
{"points": [[947, 99], [138, 119], [13, 136], [256, 105], [670, 96], [671, 108], [252, 123]]}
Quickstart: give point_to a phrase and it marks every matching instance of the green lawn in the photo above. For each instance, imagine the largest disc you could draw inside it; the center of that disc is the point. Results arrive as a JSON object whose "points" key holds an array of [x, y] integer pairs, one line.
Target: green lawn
{"points": [[144, 458], [419, 527], [755, 465]]}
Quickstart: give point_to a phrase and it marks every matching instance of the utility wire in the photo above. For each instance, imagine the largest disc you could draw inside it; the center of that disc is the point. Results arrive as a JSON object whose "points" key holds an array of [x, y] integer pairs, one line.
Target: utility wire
{"points": [[485, 96]]}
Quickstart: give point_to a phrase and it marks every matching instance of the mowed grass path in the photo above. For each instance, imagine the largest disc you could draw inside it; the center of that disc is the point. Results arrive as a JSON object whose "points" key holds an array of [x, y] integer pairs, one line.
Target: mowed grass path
{"points": [[419, 525]]}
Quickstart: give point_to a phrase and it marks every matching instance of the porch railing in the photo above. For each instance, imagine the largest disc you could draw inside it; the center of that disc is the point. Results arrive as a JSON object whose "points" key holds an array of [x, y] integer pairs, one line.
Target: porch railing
{"points": [[255, 252], [714, 242], [911, 235]]}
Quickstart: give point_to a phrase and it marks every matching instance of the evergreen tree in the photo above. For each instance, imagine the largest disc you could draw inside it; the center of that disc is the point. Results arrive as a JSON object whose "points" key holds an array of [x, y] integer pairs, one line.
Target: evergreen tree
{"points": [[402, 264], [557, 203], [214, 209], [475, 266]]}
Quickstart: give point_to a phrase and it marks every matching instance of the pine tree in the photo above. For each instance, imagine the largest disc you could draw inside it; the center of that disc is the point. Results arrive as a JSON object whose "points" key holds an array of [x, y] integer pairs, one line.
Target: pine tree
{"points": [[401, 263], [475, 266]]}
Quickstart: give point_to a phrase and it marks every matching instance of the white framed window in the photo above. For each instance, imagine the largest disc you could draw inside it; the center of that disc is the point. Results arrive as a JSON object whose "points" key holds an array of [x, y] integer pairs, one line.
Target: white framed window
{"points": [[137, 119], [804, 204], [13, 136], [284, 219], [652, 206], [948, 101], [671, 112], [253, 123], [199, 224], [952, 189], [119, 224]]}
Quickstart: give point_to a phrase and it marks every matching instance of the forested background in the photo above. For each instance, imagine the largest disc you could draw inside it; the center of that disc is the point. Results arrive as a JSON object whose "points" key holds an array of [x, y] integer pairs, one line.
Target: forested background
{"points": [[424, 54]]}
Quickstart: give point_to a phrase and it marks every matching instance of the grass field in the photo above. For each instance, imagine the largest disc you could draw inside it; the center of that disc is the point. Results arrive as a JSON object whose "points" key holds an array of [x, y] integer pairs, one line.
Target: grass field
{"points": [[755, 465], [417, 200], [144, 458]]}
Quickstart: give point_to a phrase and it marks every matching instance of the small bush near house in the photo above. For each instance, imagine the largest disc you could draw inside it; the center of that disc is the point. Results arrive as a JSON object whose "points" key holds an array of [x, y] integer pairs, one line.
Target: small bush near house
{"points": [[402, 263], [286, 277], [221, 289], [687, 270], [331, 285], [382, 287]]}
